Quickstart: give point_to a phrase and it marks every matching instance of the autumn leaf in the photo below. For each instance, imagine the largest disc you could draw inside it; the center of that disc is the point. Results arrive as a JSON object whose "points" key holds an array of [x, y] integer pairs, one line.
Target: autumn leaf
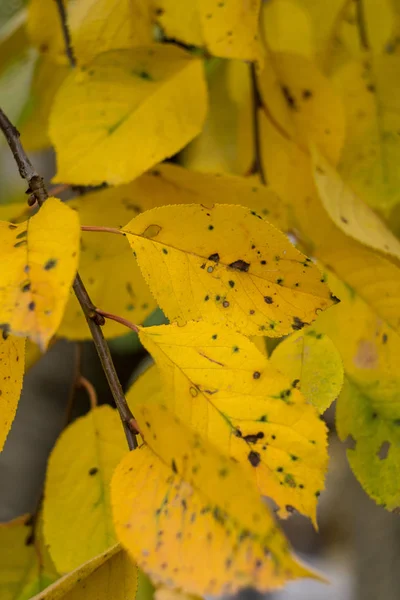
{"points": [[349, 212], [76, 508], [368, 413], [109, 575], [40, 258], [287, 27], [25, 567], [227, 29], [189, 516], [12, 355], [218, 382], [226, 264], [127, 25], [157, 97], [311, 359]]}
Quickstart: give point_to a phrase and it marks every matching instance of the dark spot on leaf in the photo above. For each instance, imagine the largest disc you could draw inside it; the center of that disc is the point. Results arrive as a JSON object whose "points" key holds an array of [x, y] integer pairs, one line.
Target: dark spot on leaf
{"points": [[384, 338], [214, 337], [263, 419], [210, 227], [31, 305], [263, 262], [240, 265], [214, 257], [279, 281], [93, 471], [280, 469], [256, 375], [317, 494], [165, 251], [235, 349], [343, 219], [291, 102], [290, 508], [298, 324], [5, 328], [30, 539], [50, 264], [252, 438], [22, 234], [268, 299], [225, 304], [335, 298], [223, 472], [21, 243], [231, 283], [218, 298], [26, 286], [254, 458], [237, 433], [295, 383], [383, 450], [307, 94], [173, 466], [294, 457], [206, 298]]}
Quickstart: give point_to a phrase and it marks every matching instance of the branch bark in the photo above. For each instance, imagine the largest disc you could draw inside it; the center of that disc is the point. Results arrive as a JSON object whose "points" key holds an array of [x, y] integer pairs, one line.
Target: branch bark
{"points": [[94, 319], [66, 33]]}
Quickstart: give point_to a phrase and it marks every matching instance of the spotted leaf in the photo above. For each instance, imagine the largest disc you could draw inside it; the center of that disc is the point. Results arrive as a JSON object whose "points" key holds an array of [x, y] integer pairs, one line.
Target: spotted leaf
{"points": [[76, 509], [40, 258], [218, 382], [189, 516], [12, 355], [226, 264]]}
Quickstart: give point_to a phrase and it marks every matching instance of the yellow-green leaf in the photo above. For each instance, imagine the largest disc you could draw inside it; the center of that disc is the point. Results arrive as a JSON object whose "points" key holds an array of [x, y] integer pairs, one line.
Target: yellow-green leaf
{"points": [[40, 258], [371, 92], [154, 95], [227, 29], [25, 568], [226, 264], [12, 355], [349, 212], [190, 517], [95, 26], [311, 360], [218, 382], [76, 509], [109, 575]]}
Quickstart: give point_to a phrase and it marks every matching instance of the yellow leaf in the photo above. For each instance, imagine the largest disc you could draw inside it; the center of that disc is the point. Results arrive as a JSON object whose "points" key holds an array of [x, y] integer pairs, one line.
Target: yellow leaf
{"points": [[47, 79], [76, 508], [25, 568], [303, 103], [371, 92], [368, 411], [146, 388], [12, 355], [12, 211], [155, 95], [190, 517], [95, 26], [218, 382], [226, 264], [227, 29], [109, 575], [311, 359], [226, 141], [287, 27], [164, 593], [349, 212], [40, 260]]}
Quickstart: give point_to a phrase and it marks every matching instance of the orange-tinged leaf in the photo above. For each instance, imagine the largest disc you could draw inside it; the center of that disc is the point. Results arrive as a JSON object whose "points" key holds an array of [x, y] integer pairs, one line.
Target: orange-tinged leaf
{"points": [[190, 517], [226, 264], [109, 575], [12, 355], [349, 212], [76, 508], [155, 95], [227, 29], [310, 359], [25, 567], [40, 257], [95, 26], [217, 382]]}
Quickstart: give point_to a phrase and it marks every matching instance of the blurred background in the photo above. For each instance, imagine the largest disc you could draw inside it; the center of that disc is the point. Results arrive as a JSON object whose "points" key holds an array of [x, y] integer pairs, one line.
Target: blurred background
{"points": [[357, 547]]}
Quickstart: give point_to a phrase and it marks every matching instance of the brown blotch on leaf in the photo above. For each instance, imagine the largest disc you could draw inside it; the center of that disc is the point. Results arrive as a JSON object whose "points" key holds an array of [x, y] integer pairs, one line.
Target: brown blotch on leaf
{"points": [[5, 328], [298, 324], [335, 299], [252, 438], [290, 99], [254, 458], [93, 471], [268, 299], [307, 94], [174, 467], [295, 383], [256, 375], [214, 257], [50, 264], [383, 450], [240, 265]]}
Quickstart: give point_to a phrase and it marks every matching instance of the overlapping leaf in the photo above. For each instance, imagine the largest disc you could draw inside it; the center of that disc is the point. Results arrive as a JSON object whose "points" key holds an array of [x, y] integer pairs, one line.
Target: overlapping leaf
{"points": [[109, 575], [311, 359], [226, 264], [218, 382], [39, 261], [12, 355], [25, 567], [154, 95], [76, 509], [190, 517]]}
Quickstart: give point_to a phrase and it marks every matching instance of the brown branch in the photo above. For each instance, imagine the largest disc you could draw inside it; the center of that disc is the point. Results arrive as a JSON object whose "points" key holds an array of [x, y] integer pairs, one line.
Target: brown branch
{"points": [[257, 105], [66, 33], [90, 390], [118, 319], [94, 320], [101, 229]]}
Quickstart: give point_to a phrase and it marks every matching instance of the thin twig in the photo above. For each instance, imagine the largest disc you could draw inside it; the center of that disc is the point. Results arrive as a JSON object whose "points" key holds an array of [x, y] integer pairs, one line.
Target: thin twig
{"points": [[101, 229], [66, 33], [90, 390], [118, 319], [94, 320], [256, 107], [362, 27]]}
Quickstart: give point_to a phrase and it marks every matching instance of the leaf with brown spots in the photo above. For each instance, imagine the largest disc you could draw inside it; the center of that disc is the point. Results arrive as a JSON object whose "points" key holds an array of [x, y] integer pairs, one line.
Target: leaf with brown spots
{"points": [[311, 362], [173, 245], [76, 507], [39, 262], [12, 358], [191, 518], [216, 381]]}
